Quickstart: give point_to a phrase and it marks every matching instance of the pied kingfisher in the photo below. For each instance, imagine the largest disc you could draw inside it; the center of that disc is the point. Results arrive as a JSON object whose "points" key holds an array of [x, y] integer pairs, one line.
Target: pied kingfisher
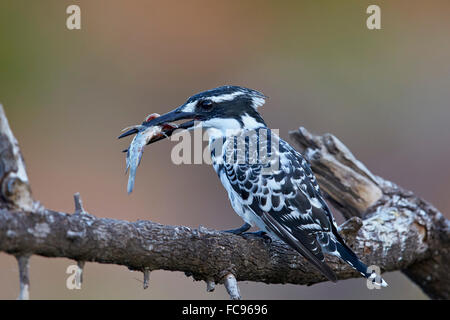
{"points": [[280, 195]]}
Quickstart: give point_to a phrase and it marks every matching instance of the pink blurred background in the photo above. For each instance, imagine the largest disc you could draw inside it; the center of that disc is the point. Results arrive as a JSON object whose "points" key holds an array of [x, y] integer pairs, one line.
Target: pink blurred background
{"points": [[68, 94]]}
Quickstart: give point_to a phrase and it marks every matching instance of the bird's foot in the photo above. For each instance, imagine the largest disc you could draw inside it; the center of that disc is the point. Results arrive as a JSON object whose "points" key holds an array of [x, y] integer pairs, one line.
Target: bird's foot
{"points": [[240, 230], [257, 235]]}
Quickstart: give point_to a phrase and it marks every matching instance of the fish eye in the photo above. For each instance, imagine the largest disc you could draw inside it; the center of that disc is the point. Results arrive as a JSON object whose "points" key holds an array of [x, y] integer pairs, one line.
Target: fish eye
{"points": [[205, 105]]}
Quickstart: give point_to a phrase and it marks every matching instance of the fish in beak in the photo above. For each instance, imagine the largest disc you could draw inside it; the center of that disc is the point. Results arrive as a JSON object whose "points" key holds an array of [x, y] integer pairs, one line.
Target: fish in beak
{"points": [[170, 117], [154, 128]]}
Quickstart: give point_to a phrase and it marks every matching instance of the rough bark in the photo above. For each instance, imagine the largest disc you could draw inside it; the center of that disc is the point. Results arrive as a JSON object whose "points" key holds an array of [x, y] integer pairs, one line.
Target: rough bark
{"points": [[388, 227], [395, 218], [14, 186]]}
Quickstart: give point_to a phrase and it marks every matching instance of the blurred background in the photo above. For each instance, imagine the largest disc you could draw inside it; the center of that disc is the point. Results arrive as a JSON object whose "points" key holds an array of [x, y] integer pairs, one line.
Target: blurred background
{"points": [[67, 94]]}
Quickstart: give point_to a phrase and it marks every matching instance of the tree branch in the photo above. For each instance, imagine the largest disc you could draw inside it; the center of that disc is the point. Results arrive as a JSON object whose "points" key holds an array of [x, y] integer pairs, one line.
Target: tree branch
{"points": [[14, 186], [24, 266], [414, 223], [389, 227]]}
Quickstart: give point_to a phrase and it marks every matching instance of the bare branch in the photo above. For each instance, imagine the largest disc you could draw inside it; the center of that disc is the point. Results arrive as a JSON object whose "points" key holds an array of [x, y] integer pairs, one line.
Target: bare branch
{"points": [[23, 262], [146, 278], [78, 204], [80, 271], [352, 188], [78, 210], [14, 187], [208, 254], [232, 287], [210, 285]]}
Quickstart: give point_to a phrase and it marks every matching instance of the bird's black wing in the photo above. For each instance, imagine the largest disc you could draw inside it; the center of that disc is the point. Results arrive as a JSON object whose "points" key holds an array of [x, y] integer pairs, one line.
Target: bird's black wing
{"points": [[286, 198]]}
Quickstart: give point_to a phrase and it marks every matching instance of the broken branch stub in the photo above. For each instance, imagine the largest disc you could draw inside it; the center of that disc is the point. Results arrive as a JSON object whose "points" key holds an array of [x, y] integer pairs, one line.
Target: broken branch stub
{"points": [[14, 187]]}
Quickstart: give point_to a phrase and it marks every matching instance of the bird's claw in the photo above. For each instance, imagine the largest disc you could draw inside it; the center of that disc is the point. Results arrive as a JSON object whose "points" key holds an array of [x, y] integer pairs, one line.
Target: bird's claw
{"points": [[257, 235], [239, 230]]}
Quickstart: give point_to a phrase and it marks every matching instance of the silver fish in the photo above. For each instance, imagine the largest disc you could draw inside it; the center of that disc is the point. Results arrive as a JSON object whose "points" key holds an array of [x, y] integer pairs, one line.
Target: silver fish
{"points": [[136, 149]]}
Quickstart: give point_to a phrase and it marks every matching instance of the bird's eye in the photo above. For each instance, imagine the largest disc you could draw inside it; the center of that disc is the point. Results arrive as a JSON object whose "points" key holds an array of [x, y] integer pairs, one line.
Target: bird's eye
{"points": [[205, 105]]}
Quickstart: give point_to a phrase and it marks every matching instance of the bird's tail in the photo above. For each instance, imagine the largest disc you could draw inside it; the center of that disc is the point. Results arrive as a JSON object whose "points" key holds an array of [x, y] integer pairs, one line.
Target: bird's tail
{"points": [[346, 254]]}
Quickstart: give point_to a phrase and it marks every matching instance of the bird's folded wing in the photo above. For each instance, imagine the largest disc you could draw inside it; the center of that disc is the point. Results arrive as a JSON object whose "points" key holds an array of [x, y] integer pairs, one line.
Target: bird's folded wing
{"points": [[305, 244], [288, 201]]}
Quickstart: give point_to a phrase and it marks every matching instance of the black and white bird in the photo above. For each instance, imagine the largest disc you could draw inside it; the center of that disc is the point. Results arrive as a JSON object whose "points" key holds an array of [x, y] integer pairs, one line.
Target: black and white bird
{"points": [[277, 192]]}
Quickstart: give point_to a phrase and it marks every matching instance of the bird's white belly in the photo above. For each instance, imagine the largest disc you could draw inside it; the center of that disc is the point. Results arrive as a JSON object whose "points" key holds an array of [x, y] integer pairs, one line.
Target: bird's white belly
{"points": [[234, 199], [242, 210], [239, 207]]}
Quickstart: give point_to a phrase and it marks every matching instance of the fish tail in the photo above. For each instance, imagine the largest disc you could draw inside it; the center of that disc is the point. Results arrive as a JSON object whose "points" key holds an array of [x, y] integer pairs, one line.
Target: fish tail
{"points": [[131, 180]]}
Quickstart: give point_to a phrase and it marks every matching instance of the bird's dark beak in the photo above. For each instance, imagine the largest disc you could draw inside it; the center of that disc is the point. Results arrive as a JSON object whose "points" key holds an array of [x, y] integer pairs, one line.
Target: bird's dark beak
{"points": [[165, 119], [128, 133]]}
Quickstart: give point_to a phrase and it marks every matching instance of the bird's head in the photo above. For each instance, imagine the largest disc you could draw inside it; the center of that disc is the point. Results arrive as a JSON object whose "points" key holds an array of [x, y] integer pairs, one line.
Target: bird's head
{"points": [[224, 109]]}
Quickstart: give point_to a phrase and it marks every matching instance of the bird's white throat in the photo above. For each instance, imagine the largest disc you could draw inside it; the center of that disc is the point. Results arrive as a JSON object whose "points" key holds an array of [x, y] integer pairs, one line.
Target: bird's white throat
{"points": [[228, 127]]}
